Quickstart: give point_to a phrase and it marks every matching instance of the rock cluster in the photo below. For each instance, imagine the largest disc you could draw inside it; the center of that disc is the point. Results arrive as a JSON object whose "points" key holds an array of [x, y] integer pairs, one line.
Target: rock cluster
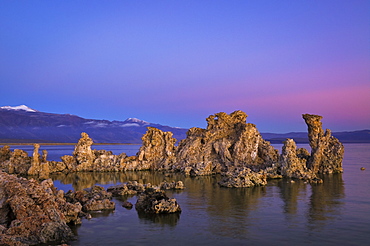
{"points": [[228, 146], [95, 198]]}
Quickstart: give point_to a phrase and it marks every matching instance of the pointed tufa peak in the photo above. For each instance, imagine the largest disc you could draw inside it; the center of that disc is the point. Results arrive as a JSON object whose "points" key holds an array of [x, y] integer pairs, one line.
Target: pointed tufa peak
{"points": [[20, 107]]}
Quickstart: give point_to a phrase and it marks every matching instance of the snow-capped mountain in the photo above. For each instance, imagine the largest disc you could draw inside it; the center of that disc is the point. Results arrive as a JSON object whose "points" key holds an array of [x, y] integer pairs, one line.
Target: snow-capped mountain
{"points": [[24, 124], [20, 107]]}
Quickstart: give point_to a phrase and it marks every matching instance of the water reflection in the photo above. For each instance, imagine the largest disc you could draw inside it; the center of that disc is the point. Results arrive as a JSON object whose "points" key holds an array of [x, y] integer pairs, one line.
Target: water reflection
{"points": [[161, 219], [292, 192], [326, 200], [82, 180], [321, 202], [226, 212]]}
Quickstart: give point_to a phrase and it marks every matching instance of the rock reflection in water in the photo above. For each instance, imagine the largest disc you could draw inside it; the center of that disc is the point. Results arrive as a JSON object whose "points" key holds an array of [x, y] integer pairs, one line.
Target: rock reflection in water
{"points": [[326, 200], [320, 202], [83, 180], [291, 192], [227, 209], [161, 219]]}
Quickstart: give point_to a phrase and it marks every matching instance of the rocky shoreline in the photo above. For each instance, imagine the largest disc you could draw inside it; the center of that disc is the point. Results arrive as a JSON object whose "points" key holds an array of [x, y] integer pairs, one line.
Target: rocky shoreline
{"points": [[228, 146]]}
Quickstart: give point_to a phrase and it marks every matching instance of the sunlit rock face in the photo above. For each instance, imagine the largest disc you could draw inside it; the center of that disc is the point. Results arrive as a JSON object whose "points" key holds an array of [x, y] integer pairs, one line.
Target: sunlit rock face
{"points": [[39, 165], [83, 153], [228, 142], [16, 162], [156, 153], [292, 165], [327, 152], [158, 150]]}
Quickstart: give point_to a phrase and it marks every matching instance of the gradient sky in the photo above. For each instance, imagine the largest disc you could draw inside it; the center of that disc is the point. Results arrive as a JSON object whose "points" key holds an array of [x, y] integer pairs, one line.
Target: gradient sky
{"points": [[176, 62]]}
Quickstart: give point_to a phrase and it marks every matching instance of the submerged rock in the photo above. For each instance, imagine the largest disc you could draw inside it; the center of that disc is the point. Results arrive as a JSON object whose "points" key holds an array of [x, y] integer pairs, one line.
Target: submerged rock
{"points": [[154, 201], [128, 188], [243, 177], [179, 185]]}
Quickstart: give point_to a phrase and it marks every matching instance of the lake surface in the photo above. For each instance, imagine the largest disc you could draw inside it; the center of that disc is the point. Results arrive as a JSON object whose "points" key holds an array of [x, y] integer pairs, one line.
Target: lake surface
{"points": [[336, 212]]}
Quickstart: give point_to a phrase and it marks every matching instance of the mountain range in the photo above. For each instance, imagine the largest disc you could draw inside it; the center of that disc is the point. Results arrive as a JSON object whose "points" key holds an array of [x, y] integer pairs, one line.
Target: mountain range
{"points": [[22, 124]]}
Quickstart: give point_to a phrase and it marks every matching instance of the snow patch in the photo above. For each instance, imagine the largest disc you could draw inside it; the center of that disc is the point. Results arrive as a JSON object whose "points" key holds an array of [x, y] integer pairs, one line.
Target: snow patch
{"points": [[129, 124], [136, 120], [20, 107]]}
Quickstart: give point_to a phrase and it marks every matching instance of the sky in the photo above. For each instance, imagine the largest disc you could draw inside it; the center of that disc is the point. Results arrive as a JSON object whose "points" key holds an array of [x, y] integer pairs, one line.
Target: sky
{"points": [[177, 62]]}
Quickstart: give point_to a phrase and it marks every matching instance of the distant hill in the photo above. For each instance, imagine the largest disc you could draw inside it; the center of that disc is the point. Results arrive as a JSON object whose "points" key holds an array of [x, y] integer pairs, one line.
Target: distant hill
{"points": [[25, 125], [22, 124], [362, 136]]}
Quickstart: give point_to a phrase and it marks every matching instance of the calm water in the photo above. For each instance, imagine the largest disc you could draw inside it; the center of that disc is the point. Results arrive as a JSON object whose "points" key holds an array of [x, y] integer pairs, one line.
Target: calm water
{"points": [[281, 213]]}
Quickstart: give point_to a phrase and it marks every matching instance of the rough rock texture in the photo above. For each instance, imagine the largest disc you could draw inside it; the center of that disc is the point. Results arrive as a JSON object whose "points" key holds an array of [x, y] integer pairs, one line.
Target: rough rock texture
{"points": [[228, 142], [30, 214], [105, 161], [83, 153], [291, 165], [327, 152], [16, 162], [179, 185], [5, 153], [94, 199], [243, 177], [134, 187], [157, 152], [39, 166], [153, 201], [128, 188]]}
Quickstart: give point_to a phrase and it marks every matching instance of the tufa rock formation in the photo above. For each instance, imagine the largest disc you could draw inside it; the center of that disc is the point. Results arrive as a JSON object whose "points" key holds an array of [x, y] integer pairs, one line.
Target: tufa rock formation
{"points": [[292, 165], [228, 146], [157, 152], [227, 143], [327, 152]]}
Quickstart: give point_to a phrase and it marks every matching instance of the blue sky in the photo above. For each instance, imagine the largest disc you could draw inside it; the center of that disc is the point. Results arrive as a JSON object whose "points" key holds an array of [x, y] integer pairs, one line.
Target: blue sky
{"points": [[176, 62]]}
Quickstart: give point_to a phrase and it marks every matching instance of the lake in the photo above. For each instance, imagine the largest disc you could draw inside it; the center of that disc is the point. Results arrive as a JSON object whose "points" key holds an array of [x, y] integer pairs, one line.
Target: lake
{"points": [[336, 212]]}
